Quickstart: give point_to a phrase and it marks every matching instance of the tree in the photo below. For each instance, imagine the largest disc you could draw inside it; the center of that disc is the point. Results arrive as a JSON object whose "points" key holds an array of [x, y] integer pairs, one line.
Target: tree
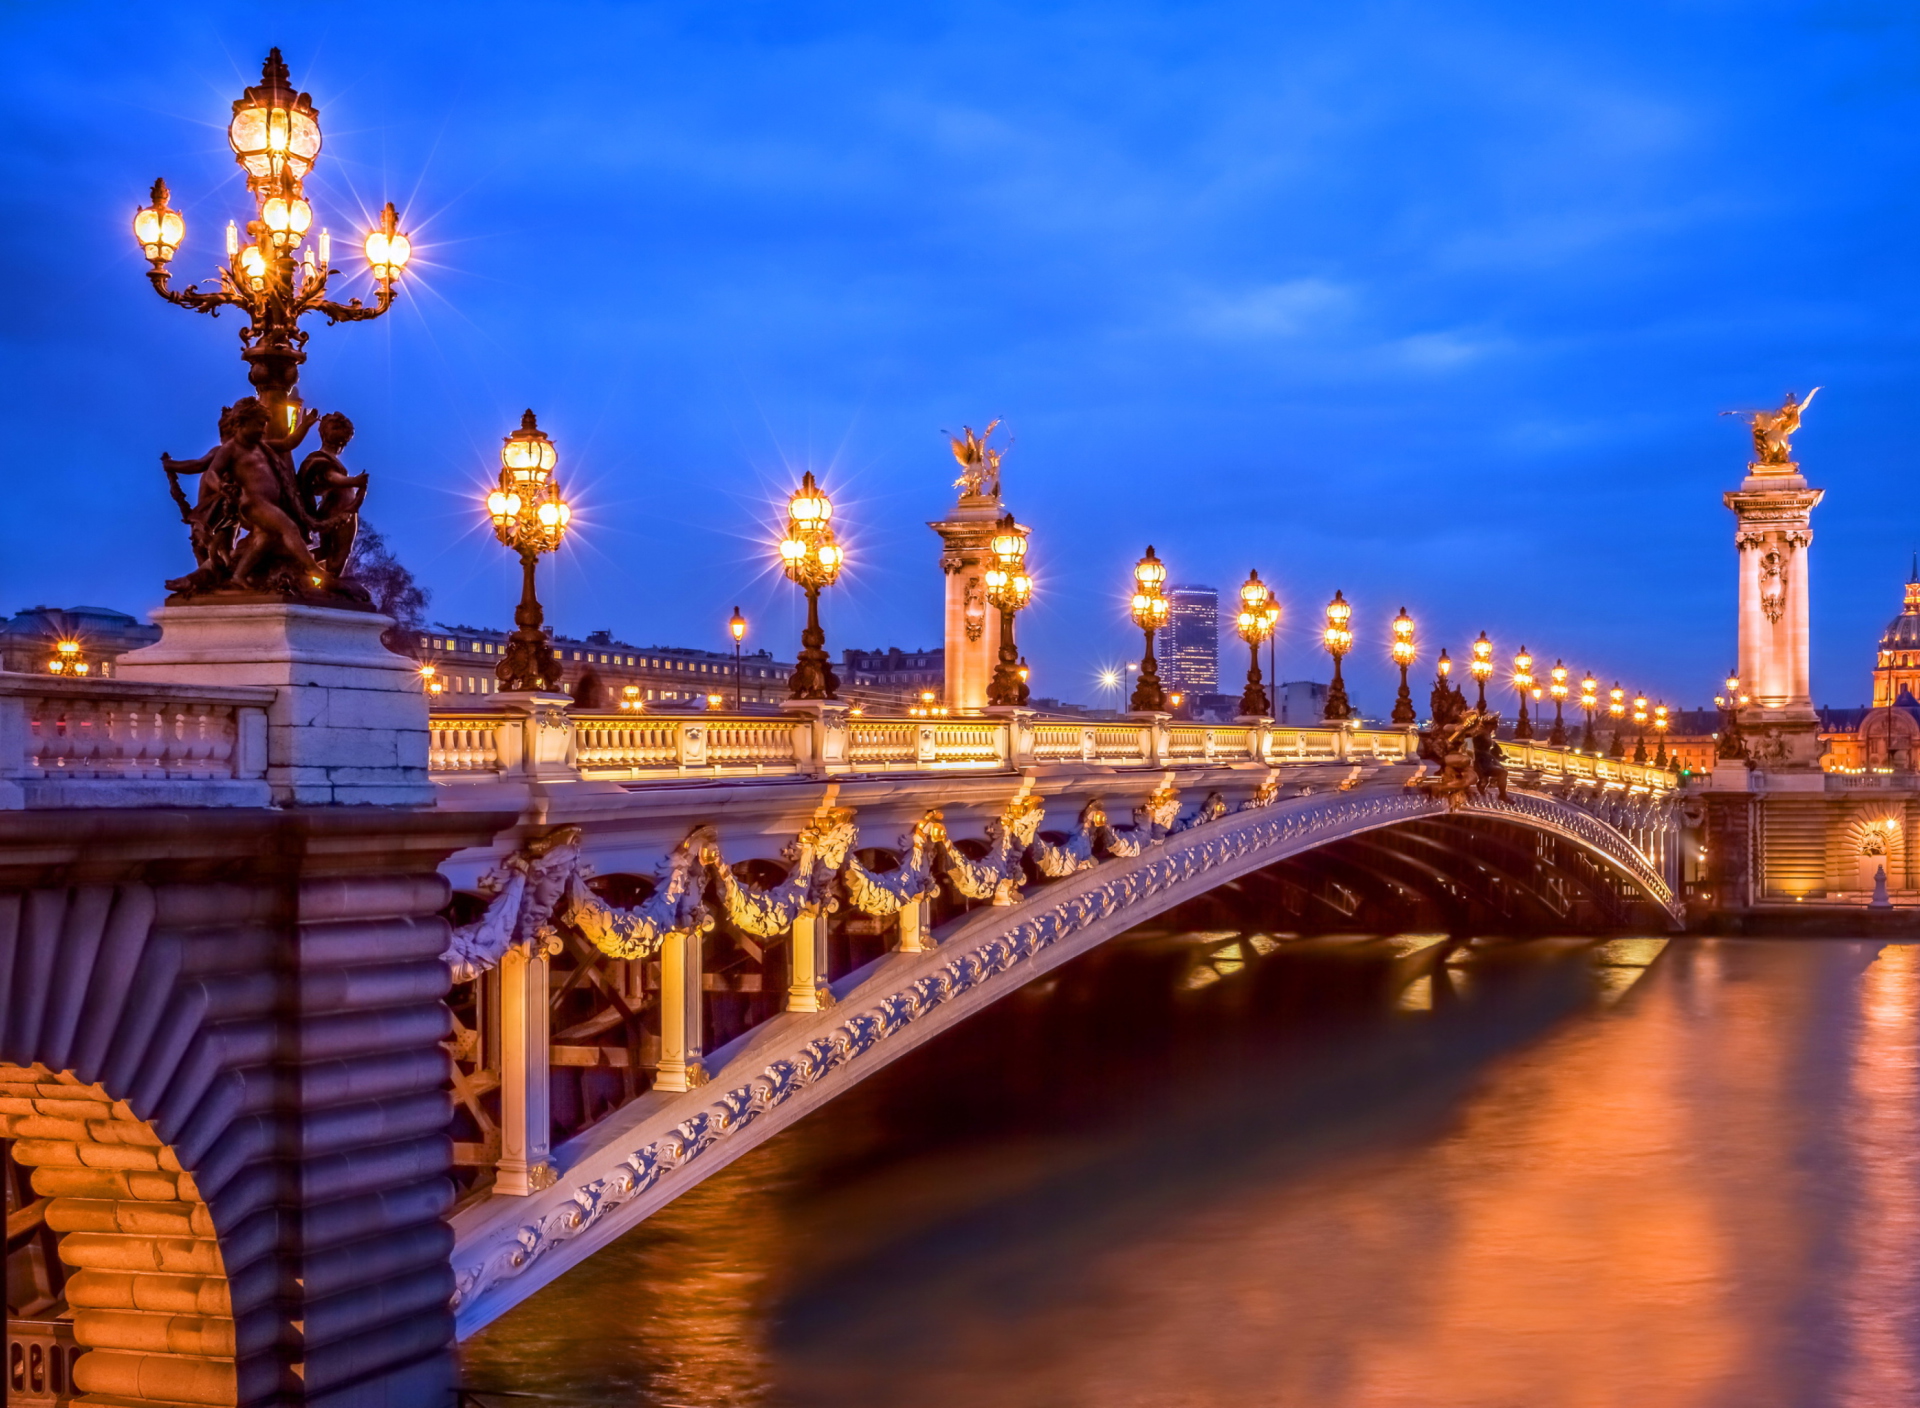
{"points": [[392, 587]]}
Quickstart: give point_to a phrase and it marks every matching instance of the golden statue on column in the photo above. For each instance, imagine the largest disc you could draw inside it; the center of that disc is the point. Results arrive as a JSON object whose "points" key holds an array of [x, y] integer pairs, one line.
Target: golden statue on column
{"points": [[1773, 430]]}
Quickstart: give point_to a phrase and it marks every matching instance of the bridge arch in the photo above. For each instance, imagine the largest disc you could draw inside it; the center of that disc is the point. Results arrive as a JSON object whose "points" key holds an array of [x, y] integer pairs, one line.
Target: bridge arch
{"points": [[617, 1174]]}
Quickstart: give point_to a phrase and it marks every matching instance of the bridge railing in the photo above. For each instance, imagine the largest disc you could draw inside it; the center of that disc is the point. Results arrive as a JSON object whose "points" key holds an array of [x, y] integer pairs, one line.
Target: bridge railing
{"points": [[111, 743], [621, 745]]}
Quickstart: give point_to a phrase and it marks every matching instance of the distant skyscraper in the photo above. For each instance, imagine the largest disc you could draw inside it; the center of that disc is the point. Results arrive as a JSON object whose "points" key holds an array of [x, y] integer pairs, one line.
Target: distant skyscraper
{"points": [[1188, 646]]}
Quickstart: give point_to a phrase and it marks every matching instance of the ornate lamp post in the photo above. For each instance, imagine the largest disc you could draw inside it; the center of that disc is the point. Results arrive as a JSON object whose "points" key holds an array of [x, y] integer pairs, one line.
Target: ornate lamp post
{"points": [[737, 628], [1640, 728], [630, 699], [1660, 725], [1522, 683], [68, 659], [1731, 744], [1403, 656], [531, 517], [1617, 711], [431, 682], [274, 278], [1149, 608], [1482, 668], [811, 559], [1259, 614], [1338, 637], [1009, 588], [1589, 698], [1558, 689]]}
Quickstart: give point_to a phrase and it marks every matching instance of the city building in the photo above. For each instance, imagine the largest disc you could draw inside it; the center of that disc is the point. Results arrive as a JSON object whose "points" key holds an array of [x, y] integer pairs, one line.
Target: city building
{"points": [[598, 670], [30, 639], [893, 675], [1188, 646], [1300, 702]]}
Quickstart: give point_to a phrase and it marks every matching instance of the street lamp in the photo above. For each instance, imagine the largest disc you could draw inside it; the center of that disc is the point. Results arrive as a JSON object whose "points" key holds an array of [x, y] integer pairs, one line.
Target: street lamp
{"points": [[1403, 656], [1589, 698], [1481, 667], [273, 279], [1522, 682], [1731, 744], [1558, 689], [1339, 640], [630, 699], [1010, 589], [1640, 728], [1617, 711], [1259, 614], [67, 659], [737, 628], [811, 559], [1149, 607], [1660, 724], [531, 517]]}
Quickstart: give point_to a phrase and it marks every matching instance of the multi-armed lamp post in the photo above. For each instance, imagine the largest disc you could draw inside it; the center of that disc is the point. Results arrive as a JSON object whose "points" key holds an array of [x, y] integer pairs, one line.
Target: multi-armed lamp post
{"points": [[1640, 728], [1589, 700], [1522, 685], [1259, 614], [1557, 687], [1617, 711], [1661, 722], [1403, 656], [1149, 609], [812, 560], [274, 276], [531, 517], [1338, 637], [1009, 589], [1481, 667]]}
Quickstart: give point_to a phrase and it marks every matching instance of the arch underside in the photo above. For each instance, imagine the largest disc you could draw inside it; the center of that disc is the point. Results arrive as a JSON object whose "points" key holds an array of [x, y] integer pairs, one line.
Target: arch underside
{"points": [[1536, 862]]}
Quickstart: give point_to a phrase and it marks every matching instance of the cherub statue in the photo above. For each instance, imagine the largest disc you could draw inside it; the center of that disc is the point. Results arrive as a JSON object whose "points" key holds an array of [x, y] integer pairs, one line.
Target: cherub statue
{"points": [[979, 464], [334, 496], [1773, 430], [246, 481]]}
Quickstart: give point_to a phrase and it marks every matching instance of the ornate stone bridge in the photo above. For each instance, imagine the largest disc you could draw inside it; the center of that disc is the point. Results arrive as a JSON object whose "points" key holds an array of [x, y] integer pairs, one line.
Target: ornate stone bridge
{"points": [[227, 1049]]}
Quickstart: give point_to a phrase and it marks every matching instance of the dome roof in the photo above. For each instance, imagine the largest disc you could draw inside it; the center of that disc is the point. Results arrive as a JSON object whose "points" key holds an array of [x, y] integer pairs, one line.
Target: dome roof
{"points": [[1903, 631]]}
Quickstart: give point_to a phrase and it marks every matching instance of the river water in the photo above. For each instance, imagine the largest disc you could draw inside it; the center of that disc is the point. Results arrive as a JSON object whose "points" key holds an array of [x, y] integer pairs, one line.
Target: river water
{"points": [[1200, 1170]]}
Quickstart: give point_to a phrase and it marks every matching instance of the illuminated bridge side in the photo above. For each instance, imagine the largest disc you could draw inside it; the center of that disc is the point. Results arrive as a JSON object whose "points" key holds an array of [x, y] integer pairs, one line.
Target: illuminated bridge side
{"points": [[1334, 824]]}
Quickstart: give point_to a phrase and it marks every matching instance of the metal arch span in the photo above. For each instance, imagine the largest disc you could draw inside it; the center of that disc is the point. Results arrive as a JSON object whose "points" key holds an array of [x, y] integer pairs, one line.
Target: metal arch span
{"points": [[618, 1173]]}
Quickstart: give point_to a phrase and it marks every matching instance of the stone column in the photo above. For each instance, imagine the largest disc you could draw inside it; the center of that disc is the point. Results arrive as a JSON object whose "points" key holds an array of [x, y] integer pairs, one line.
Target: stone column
{"points": [[1774, 507], [913, 927], [807, 990], [972, 637], [526, 1124], [681, 1036]]}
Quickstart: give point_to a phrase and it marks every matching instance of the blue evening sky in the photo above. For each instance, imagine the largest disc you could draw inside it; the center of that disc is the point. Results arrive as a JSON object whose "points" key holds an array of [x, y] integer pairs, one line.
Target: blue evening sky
{"points": [[1436, 303]]}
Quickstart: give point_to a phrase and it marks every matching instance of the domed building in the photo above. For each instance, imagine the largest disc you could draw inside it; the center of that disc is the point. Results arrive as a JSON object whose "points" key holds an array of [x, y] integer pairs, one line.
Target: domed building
{"points": [[1896, 669]]}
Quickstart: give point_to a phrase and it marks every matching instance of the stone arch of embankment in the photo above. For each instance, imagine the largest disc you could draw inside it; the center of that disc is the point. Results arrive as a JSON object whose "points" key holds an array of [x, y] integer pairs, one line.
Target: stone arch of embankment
{"points": [[220, 1066], [619, 1172]]}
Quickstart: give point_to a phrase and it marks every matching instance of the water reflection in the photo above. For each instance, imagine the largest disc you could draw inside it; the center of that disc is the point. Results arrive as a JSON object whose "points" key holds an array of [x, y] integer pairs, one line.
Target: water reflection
{"points": [[1333, 1172]]}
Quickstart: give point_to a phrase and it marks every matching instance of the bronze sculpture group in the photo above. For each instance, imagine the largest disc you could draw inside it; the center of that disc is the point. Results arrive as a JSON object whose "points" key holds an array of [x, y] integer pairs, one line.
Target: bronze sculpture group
{"points": [[259, 527], [1463, 744]]}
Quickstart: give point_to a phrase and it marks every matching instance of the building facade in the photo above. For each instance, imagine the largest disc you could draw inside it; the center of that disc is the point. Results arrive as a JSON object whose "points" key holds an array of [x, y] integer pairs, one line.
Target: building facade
{"points": [[599, 670], [31, 639], [1188, 646]]}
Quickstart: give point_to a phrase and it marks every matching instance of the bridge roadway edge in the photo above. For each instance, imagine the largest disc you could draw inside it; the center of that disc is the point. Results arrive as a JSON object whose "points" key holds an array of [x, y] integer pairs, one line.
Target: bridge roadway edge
{"points": [[622, 1171]]}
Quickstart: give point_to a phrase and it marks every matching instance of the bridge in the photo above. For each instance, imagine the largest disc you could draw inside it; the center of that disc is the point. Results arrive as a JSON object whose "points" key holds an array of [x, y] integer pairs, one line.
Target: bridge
{"points": [[620, 950]]}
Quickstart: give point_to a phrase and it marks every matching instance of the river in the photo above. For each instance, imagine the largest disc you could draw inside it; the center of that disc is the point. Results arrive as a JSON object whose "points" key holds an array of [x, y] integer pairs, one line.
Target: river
{"points": [[1199, 1170]]}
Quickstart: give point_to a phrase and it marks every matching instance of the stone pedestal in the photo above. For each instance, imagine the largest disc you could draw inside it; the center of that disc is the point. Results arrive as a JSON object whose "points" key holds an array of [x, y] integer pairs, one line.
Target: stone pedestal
{"points": [[348, 723], [972, 637], [825, 725], [1774, 506], [539, 743]]}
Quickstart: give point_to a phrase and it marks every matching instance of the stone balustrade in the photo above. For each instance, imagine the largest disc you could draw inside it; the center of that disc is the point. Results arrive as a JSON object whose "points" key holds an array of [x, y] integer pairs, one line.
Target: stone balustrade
{"points": [[624, 746], [114, 743]]}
